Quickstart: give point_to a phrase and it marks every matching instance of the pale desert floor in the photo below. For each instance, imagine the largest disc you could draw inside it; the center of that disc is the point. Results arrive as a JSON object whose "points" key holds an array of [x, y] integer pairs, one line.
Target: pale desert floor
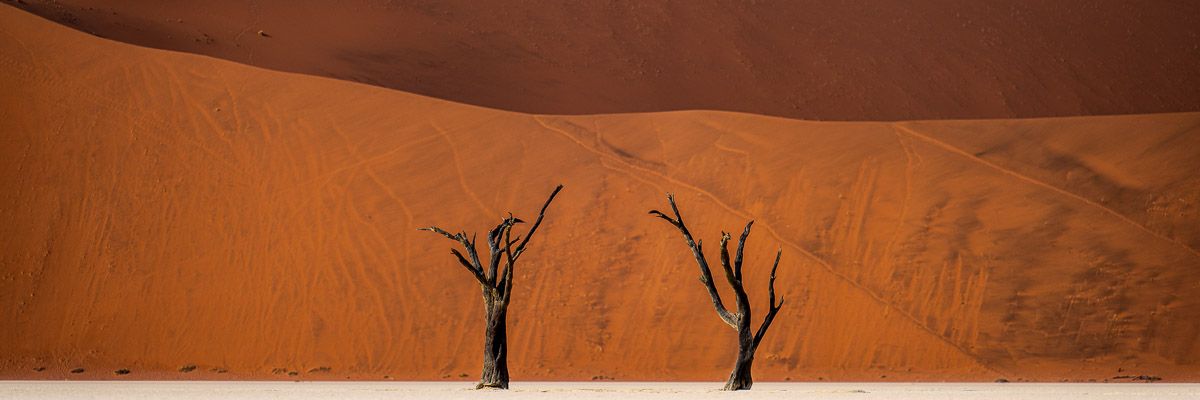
{"points": [[588, 390]]}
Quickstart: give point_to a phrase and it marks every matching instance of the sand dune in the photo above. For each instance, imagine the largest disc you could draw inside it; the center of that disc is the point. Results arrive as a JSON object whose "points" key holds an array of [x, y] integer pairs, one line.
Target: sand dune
{"points": [[162, 209], [808, 59]]}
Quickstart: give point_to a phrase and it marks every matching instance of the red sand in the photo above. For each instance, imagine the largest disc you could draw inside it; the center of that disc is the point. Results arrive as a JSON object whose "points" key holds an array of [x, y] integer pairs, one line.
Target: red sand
{"points": [[163, 209], [808, 59]]}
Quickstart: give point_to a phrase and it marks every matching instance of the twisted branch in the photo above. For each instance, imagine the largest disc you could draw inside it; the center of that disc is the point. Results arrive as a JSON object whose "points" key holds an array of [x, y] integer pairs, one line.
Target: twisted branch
{"points": [[500, 248], [733, 273], [698, 253]]}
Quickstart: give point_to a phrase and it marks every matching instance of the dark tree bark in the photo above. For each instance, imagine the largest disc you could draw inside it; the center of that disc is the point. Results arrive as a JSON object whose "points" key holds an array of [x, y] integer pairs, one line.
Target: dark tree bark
{"points": [[497, 288], [495, 349], [741, 377]]}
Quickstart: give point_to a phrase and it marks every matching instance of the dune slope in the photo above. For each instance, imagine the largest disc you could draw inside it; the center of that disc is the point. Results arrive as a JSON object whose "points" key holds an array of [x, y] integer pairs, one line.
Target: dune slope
{"points": [[808, 59], [162, 210]]}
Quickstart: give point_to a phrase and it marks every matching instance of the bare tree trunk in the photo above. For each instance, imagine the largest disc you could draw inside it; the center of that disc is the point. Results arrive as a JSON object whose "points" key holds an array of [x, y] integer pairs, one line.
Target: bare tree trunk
{"points": [[495, 348], [740, 378]]}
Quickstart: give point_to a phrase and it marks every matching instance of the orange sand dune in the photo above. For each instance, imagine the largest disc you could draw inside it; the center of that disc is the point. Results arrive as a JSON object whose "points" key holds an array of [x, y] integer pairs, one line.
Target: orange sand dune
{"points": [[161, 210], [810, 59]]}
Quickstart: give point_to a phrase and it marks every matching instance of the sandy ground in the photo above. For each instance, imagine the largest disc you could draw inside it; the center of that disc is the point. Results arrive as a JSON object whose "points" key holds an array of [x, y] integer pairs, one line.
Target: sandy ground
{"points": [[186, 217], [810, 59], [588, 390]]}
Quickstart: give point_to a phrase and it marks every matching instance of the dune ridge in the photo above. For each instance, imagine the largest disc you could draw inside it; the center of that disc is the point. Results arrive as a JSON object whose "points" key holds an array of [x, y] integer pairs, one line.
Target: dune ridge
{"points": [[807, 59], [164, 210]]}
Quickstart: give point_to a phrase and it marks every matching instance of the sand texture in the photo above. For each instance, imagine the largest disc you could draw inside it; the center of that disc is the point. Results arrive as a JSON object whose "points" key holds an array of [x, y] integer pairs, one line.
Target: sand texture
{"points": [[161, 210], [810, 59]]}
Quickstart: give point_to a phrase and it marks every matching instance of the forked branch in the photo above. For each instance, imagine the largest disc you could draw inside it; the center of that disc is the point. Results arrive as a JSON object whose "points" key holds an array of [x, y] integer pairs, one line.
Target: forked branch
{"points": [[500, 249], [473, 265], [732, 269], [698, 253]]}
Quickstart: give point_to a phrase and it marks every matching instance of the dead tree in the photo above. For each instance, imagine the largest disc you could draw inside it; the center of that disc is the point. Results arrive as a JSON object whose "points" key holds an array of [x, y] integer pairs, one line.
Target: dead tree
{"points": [[748, 342], [497, 288]]}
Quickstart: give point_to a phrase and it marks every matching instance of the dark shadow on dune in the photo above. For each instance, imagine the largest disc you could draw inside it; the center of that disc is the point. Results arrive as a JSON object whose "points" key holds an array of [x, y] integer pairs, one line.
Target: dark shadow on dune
{"points": [[803, 59]]}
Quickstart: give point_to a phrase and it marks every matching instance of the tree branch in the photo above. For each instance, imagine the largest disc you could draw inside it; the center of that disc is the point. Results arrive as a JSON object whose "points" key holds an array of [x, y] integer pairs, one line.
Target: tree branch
{"points": [[475, 269], [507, 281], [471, 251], [467, 264], [665, 217], [741, 300], [494, 250], [729, 274], [737, 259], [762, 329], [541, 214], [500, 244], [442, 232], [698, 253]]}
